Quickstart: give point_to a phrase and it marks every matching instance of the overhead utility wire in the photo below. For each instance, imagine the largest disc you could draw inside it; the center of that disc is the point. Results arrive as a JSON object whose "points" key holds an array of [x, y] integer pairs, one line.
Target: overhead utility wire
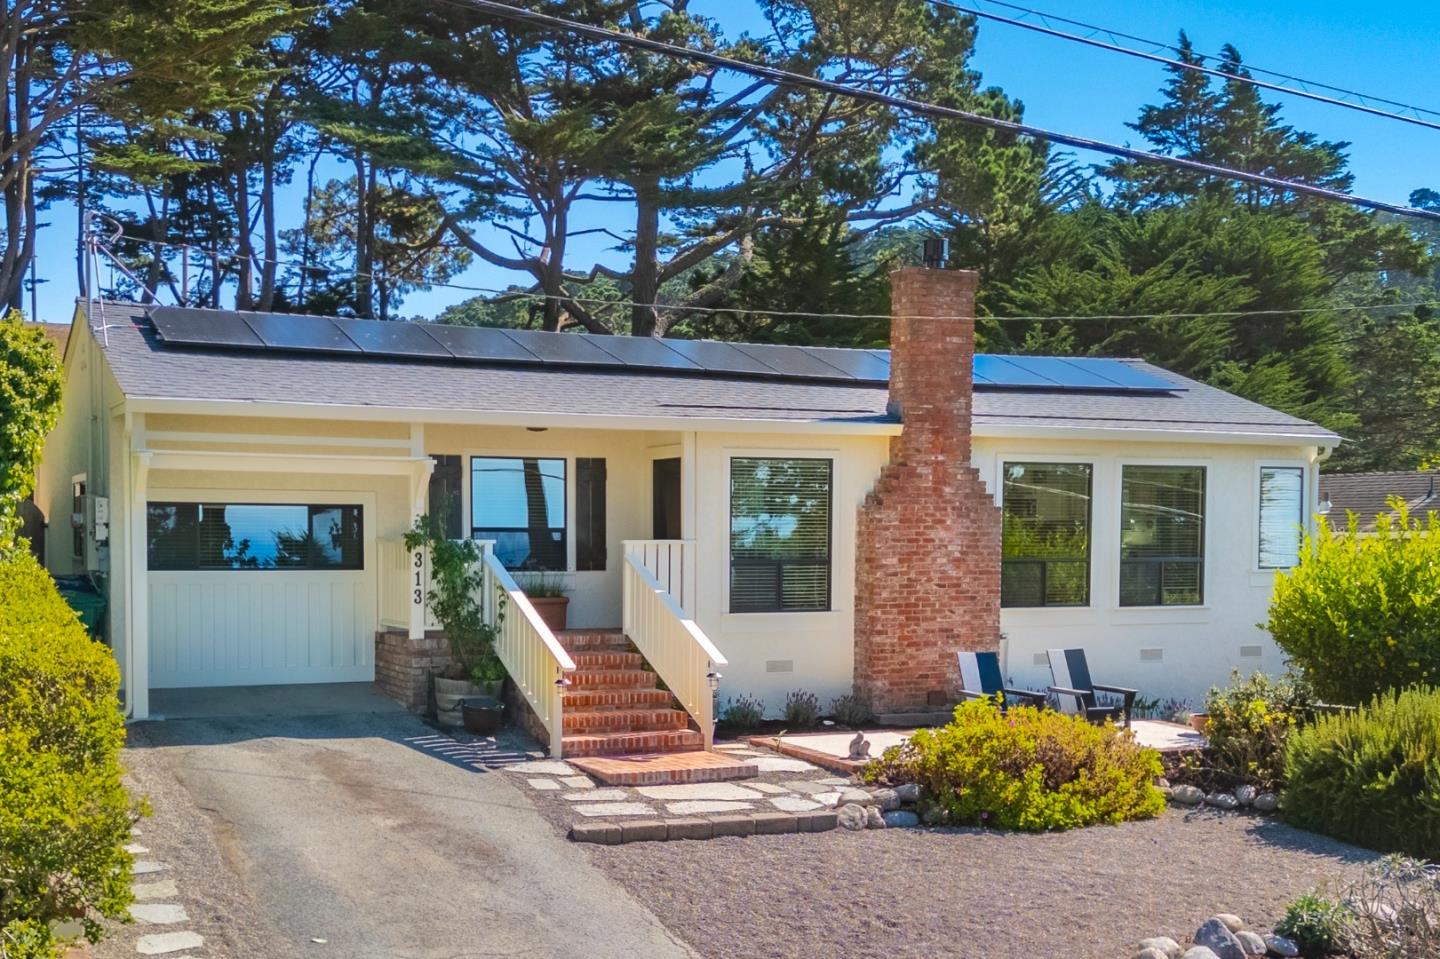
{"points": [[1182, 65], [595, 301], [1163, 45], [791, 79]]}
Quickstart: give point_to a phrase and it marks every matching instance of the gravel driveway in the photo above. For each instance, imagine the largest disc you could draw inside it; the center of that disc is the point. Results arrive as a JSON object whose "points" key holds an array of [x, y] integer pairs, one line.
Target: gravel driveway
{"points": [[341, 836], [900, 893]]}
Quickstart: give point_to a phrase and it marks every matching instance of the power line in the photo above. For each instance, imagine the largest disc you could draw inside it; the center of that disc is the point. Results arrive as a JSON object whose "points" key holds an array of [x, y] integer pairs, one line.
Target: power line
{"points": [[212, 255], [922, 108], [1182, 65]]}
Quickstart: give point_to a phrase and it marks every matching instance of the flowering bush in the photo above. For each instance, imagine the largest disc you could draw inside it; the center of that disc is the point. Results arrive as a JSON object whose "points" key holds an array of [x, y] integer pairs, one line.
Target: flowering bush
{"points": [[1026, 769], [802, 709], [1250, 722]]}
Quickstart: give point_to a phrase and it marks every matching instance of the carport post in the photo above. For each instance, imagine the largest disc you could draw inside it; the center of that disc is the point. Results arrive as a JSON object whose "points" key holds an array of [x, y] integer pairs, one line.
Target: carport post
{"points": [[137, 683]]}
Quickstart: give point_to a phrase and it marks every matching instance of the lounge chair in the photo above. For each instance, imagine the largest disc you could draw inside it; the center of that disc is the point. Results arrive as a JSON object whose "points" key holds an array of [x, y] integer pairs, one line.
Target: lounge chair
{"points": [[980, 679], [1077, 690]]}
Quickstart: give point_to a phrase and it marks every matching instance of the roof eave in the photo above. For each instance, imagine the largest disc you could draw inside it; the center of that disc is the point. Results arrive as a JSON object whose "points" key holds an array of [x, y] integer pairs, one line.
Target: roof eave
{"points": [[1196, 433]]}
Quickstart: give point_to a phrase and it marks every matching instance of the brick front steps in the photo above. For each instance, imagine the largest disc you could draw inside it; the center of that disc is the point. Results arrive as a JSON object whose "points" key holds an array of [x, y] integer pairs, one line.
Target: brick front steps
{"points": [[660, 769], [703, 827]]}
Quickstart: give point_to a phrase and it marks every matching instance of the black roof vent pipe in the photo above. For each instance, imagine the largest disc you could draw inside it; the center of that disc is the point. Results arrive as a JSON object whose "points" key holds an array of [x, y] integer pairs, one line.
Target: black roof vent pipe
{"points": [[933, 256]]}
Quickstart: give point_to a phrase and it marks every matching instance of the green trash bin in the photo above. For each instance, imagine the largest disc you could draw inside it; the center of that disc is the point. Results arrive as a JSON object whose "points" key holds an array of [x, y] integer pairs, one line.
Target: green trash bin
{"points": [[90, 607]]}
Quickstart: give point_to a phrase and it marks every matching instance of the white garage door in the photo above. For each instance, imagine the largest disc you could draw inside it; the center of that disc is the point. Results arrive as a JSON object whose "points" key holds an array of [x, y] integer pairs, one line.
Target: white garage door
{"points": [[260, 593]]}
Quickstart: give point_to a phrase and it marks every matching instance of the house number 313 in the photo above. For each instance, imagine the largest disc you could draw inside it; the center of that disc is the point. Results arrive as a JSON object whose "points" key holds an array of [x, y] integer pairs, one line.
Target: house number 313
{"points": [[419, 579]]}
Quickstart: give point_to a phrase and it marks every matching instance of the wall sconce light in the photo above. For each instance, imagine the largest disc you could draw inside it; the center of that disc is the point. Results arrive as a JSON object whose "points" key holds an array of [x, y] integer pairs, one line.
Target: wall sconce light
{"points": [[713, 678]]}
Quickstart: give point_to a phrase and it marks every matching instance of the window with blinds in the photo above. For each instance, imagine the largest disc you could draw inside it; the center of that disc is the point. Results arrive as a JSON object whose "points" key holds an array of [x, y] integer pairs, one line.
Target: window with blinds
{"points": [[263, 536], [779, 534], [1162, 536], [1282, 516], [1045, 545], [519, 502]]}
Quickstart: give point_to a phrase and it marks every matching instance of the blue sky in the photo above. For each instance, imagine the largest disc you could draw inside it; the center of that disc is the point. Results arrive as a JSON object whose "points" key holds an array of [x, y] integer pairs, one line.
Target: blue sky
{"points": [[1383, 49]]}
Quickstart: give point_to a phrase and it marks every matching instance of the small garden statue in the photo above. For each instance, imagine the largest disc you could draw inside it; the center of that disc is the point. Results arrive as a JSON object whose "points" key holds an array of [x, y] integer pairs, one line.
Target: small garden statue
{"points": [[859, 747]]}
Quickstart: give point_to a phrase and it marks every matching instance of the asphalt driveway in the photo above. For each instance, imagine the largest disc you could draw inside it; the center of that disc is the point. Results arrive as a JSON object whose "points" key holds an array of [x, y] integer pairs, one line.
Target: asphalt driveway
{"points": [[342, 835]]}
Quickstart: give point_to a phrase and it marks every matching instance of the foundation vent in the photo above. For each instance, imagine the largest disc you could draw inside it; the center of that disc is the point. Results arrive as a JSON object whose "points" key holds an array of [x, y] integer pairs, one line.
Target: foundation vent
{"points": [[779, 665], [1250, 652], [1152, 655]]}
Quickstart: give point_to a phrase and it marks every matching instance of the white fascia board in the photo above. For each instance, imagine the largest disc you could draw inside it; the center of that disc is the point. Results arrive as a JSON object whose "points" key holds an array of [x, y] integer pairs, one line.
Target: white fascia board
{"points": [[326, 463], [394, 414], [1177, 434]]}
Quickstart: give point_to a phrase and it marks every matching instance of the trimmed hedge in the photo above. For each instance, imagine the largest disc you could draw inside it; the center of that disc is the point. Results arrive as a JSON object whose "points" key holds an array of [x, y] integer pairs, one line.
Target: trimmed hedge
{"points": [[64, 815], [1371, 777], [1026, 769]]}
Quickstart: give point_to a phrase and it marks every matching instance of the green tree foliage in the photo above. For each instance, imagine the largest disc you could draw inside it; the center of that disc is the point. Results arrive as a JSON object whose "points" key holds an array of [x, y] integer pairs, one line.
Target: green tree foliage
{"points": [[64, 815], [1371, 777], [30, 384], [1360, 614]]}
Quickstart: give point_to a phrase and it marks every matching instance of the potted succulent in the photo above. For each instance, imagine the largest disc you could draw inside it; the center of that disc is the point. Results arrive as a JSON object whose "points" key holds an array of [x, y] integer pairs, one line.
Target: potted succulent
{"points": [[474, 669], [547, 593]]}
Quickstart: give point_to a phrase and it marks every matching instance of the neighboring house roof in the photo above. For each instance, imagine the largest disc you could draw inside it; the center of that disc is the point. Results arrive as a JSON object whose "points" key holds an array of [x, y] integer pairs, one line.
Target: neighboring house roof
{"points": [[1367, 495], [147, 367]]}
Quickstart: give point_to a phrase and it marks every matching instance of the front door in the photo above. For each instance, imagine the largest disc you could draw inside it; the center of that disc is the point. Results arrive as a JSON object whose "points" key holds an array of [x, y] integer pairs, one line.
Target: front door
{"points": [[666, 487]]}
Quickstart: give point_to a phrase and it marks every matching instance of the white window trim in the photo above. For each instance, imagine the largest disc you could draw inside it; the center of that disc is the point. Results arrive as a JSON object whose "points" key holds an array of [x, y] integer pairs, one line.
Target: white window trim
{"points": [[1307, 510], [1208, 556], [1090, 460], [730, 453]]}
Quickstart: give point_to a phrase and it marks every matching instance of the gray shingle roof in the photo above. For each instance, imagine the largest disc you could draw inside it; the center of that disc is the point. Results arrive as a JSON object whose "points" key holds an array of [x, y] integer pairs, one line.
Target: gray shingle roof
{"points": [[145, 367], [1367, 494]]}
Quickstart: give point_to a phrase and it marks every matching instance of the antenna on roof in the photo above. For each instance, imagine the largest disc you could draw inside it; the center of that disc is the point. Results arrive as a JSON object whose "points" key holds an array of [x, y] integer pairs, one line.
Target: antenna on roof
{"points": [[933, 254]]}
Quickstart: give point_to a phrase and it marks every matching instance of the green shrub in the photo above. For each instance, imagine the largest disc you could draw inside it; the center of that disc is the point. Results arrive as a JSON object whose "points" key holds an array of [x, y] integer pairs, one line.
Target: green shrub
{"points": [[1359, 614], [1249, 723], [1026, 769], [30, 383], [1316, 924], [64, 816], [802, 709], [852, 710], [743, 713], [1372, 776]]}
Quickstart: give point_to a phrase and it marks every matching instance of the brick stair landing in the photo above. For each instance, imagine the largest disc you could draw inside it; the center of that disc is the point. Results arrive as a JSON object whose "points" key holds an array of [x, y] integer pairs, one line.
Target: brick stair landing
{"points": [[662, 769], [622, 729]]}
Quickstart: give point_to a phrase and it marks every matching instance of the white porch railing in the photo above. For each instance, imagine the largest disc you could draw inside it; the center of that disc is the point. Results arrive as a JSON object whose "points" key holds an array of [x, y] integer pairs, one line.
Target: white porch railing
{"points": [[532, 655], [395, 597], [676, 648], [672, 563]]}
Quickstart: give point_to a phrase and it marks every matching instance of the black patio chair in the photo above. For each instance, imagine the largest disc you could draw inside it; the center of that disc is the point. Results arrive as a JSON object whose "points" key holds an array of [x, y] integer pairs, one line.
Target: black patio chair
{"points": [[1073, 684], [980, 678]]}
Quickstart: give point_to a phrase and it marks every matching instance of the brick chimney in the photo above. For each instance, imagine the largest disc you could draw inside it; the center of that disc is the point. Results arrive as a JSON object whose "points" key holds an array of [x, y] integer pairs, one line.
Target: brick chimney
{"points": [[927, 576]]}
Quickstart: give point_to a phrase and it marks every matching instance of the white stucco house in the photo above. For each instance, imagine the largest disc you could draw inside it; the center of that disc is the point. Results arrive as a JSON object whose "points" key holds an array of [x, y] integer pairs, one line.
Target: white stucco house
{"points": [[772, 518]]}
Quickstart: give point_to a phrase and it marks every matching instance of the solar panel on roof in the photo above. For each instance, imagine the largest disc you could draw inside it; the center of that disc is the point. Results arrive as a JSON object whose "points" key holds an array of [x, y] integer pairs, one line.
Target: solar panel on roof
{"points": [[1066, 374], [716, 357], [283, 332], [859, 364], [1009, 371], [561, 349], [793, 361], [645, 352], [391, 338], [479, 343], [1126, 375], [179, 324]]}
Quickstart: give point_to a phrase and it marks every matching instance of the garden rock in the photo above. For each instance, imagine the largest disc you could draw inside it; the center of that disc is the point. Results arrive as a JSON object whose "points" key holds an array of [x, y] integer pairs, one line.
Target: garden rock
{"points": [[874, 819], [1281, 945], [1199, 952], [851, 816], [1214, 934], [1151, 954], [901, 818], [888, 799], [1187, 795], [1232, 922], [909, 792], [1250, 942], [1222, 801], [1164, 945], [858, 796], [1267, 802], [1246, 795]]}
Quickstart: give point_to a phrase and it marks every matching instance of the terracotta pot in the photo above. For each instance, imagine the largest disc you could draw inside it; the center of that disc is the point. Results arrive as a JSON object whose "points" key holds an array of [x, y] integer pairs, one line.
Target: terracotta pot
{"points": [[554, 610], [1198, 721]]}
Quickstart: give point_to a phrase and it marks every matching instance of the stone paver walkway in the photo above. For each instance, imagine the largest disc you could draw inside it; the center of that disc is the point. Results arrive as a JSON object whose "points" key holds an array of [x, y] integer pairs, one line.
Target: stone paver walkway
{"points": [[784, 784]]}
